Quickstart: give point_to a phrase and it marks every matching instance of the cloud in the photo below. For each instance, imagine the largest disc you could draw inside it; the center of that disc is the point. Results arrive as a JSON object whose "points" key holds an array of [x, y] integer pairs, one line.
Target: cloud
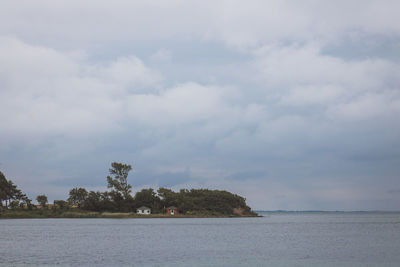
{"points": [[185, 103], [162, 55], [48, 92], [251, 24], [349, 89], [262, 98], [72, 24]]}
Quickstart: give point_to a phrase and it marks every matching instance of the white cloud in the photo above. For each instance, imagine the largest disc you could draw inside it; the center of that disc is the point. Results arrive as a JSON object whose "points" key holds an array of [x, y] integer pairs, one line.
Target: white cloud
{"points": [[372, 106], [128, 73], [74, 83], [238, 23], [48, 92], [305, 64], [312, 94], [303, 77], [162, 55], [259, 22], [185, 103]]}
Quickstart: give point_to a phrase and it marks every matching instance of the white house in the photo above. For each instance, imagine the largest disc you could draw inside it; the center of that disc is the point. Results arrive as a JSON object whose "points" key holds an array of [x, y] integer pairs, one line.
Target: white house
{"points": [[143, 210]]}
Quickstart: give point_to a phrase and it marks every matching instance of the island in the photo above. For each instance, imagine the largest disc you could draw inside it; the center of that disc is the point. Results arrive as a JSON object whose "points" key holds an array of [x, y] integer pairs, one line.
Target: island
{"points": [[118, 201]]}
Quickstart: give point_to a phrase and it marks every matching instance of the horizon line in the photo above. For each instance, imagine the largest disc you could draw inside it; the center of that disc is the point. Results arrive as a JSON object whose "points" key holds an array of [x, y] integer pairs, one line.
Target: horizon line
{"points": [[330, 211]]}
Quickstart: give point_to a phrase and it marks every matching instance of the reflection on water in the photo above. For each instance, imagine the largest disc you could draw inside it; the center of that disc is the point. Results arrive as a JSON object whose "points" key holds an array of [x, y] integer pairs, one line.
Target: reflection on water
{"points": [[278, 239]]}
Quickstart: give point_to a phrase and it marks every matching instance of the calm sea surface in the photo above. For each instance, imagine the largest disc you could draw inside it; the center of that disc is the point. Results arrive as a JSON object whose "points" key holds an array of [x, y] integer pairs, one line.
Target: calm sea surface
{"points": [[278, 239]]}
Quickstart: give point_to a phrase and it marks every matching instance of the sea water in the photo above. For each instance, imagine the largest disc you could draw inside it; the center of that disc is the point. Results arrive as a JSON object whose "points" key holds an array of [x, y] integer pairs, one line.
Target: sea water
{"points": [[277, 239]]}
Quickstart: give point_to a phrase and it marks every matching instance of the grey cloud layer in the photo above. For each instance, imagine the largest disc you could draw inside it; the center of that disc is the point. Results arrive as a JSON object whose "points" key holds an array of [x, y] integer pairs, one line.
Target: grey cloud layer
{"points": [[282, 122], [233, 22]]}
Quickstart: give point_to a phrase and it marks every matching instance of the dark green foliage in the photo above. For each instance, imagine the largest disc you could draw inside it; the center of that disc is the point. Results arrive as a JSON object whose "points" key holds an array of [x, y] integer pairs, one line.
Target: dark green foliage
{"points": [[42, 200], [4, 187], [14, 204], [194, 202], [148, 198], [93, 201], [61, 204], [118, 179], [77, 196], [168, 197], [99, 201], [205, 201], [201, 202], [10, 192]]}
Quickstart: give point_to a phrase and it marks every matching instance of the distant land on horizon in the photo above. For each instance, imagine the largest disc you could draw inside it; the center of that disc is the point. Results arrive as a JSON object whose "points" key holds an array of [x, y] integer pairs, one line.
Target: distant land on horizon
{"points": [[329, 211]]}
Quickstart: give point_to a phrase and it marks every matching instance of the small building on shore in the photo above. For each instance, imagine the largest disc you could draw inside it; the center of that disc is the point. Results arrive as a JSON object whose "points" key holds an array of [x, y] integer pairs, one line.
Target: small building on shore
{"points": [[172, 210], [143, 210]]}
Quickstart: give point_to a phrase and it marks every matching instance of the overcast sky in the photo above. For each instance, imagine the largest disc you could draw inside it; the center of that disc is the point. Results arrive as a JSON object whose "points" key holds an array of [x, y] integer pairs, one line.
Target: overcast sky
{"points": [[292, 104]]}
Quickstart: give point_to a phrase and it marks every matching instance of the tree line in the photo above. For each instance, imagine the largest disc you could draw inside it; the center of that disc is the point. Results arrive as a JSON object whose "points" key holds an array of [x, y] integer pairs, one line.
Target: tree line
{"points": [[119, 198], [11, 196]]}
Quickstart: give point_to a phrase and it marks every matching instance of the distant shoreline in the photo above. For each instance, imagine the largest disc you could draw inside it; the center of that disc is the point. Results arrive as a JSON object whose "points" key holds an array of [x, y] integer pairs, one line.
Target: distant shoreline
{"points": [[105, 215], [326, 211]]}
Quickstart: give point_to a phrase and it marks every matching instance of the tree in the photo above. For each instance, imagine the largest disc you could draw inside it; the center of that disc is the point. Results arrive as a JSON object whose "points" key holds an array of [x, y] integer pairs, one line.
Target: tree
{"points": [[118, 179], [99, 201], [94, 201], [205, 201], [27, 202], [14, 204], [167, 197], [3, 188], [42, 200], [148, 198], [62, 204], [9, 191], [77, 196]]}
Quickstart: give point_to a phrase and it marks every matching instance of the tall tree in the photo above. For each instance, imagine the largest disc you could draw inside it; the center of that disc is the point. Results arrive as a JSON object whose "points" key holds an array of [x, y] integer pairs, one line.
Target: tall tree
{"points": [[117, 180], [3, 188], [42, 199], [77, 196], [9, 191]]}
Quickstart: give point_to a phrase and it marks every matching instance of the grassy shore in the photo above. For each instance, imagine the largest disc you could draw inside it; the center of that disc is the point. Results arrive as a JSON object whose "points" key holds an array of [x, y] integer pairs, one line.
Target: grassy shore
{"points": [[43, 214]]}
